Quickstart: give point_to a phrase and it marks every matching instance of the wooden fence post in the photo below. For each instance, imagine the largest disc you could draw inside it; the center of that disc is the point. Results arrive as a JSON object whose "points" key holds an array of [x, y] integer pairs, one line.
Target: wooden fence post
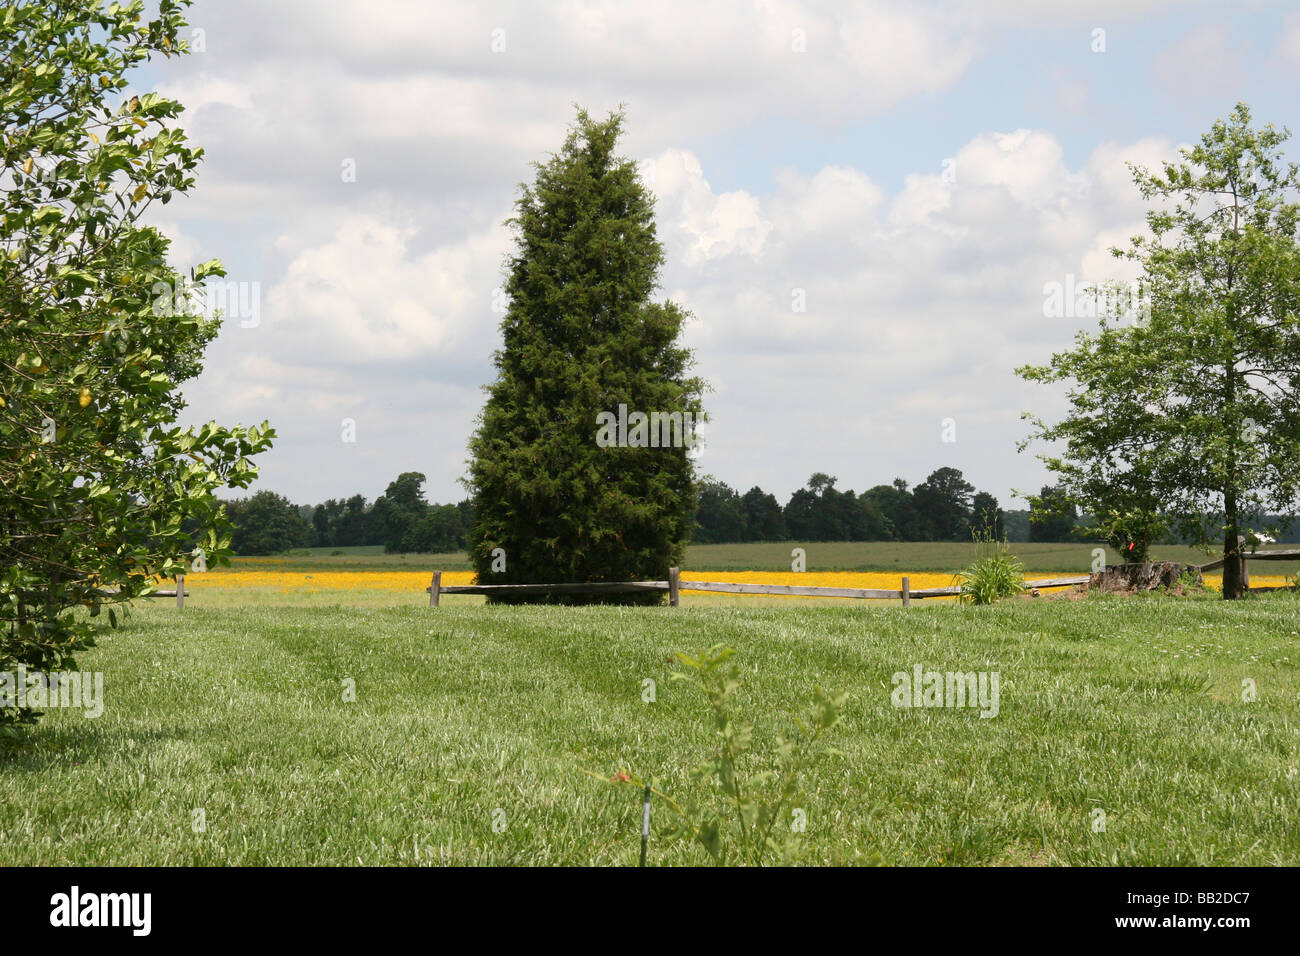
{"points": [[907, 592], [180, 591], [434, 587], [674, 584]]}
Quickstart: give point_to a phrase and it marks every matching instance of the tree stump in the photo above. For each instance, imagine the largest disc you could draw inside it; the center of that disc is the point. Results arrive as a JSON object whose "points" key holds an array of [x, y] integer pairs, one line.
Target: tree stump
{"points": [[1142, 577]]}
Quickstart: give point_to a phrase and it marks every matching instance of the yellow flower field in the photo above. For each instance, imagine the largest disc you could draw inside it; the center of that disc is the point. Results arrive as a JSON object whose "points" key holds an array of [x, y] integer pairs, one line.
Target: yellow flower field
{"points": [[324, 580], [417, 581], [885, 580]]}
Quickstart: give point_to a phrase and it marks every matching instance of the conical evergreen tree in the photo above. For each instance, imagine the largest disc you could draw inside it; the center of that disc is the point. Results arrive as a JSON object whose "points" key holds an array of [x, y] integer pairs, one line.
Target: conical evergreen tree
{"points": [[581, 337]]}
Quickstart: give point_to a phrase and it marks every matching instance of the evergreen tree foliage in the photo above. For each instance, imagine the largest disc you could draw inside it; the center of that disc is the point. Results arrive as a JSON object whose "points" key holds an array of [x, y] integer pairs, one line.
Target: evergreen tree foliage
{"points": [[581, 337]]}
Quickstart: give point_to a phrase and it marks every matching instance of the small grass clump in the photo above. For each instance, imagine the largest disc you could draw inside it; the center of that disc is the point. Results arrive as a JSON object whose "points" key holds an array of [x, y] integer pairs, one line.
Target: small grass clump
{"points": [[995, 574]]}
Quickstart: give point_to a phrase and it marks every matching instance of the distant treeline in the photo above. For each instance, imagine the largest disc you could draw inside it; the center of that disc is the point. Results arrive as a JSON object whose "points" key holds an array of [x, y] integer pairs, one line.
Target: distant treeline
{"points": [[944, 507], [400, 519]]}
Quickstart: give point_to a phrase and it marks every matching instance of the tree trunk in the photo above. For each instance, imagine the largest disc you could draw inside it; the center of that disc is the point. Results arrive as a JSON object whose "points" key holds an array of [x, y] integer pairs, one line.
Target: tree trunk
{"points": [[1231, 546], [1232, 585]]}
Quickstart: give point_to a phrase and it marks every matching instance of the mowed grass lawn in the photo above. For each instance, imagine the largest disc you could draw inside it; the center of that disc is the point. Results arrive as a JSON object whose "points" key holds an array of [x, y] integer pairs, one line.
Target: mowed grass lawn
{"points": [[469, 714]]}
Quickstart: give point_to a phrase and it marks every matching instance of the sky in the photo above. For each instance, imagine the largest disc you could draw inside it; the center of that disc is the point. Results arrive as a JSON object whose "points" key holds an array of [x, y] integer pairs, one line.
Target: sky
{"points": [[862, 206]]}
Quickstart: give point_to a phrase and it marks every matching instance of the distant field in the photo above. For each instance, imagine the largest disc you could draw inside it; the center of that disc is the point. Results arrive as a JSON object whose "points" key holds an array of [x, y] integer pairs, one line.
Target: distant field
{"points": [[368, 558], [905, 556], [901, 557], [367, 577]]}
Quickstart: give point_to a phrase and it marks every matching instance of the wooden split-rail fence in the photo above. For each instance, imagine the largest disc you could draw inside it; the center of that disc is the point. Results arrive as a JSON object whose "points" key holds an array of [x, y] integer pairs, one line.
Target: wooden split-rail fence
{"points": [[674, 585], [178, 592], [1291, 555]]}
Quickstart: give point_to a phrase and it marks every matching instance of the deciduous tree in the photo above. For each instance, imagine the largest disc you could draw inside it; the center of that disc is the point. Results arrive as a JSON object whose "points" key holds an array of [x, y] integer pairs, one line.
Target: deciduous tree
{"points": [[96, 479], [1194, 409]]}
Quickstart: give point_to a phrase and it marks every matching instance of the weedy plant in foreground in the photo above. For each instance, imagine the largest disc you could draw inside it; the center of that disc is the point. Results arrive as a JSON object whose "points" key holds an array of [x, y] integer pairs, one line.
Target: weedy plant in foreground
{"points": [[744, 819], [996, 573]]}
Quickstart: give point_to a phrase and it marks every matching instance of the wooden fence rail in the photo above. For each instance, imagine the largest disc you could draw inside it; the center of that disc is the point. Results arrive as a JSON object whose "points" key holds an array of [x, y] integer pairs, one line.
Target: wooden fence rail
{"points": [[1247, 557], [178, 592], [674, 585]]}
